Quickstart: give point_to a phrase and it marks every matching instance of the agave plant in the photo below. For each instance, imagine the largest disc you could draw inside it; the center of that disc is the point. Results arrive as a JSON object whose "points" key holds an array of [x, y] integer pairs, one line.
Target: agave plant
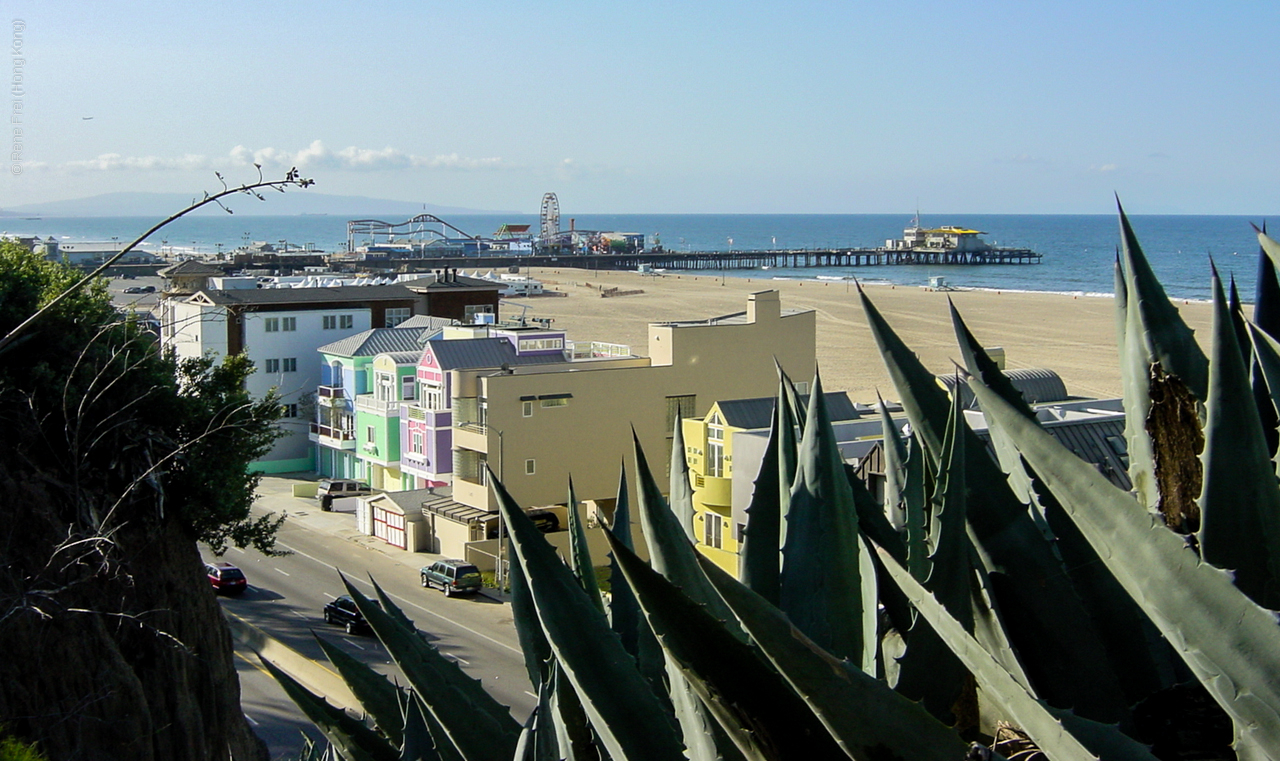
{"points": [[1022, 590]]}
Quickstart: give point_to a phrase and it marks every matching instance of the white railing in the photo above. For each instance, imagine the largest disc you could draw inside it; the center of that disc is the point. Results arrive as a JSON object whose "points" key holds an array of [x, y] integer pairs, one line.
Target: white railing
{"points": [[368, 403]]}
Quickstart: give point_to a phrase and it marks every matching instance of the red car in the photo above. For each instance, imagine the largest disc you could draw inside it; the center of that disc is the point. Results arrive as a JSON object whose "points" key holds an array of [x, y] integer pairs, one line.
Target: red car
{"points": [[226, 578]]}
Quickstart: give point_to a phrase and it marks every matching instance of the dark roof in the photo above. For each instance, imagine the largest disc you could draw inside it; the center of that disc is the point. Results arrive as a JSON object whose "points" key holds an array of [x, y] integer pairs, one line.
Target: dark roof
{"points": [[338, 294], [378, 341], [476, 353], [453, 281], [754, 414], [427, 321], [190, 268]]}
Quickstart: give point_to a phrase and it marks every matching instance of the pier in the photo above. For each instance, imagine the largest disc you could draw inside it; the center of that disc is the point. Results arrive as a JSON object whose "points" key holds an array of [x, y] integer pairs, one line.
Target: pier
{"points": [[713, 260]]}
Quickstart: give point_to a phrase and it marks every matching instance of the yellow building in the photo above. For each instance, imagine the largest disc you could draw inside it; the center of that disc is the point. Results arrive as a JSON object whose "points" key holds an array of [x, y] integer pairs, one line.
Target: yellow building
{"points": [[719, 519]]}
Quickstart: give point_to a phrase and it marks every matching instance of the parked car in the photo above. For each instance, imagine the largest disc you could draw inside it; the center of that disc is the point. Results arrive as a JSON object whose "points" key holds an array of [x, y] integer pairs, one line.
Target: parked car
{"points": [[343, 612], [333, 488], [452, 576], [226, 578], [135, 289], [544, 520]]}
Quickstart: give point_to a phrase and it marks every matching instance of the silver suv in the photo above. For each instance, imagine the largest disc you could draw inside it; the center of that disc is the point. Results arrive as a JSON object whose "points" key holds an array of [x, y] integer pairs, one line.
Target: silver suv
{"points": [[333, 488]]}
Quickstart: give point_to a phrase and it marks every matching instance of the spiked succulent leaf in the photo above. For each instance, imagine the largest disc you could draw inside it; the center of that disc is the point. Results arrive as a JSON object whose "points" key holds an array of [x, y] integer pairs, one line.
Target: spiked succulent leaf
{"points": [[1052, 730], [1057, 642], [417, 744], [1240, 504], [1166, 337], [573, 731], [822, 577], [1266, 315], [377, 695], [895, 467], [929, 671], [1190, 601], [1266, 351], [681, 488], [916, 531], [762, 544], [625, 714], [868, 719], [477, 725], [670, 551], [350, 737], [750, 701], [580, 553], [533, 642], [1138, 661]]}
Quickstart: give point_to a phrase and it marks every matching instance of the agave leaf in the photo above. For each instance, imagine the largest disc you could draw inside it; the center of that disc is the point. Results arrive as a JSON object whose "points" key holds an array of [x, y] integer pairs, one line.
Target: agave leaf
{"points": [[680, 489], [1166, 337], [580, 553], [751, 702], [1057, 642], [393, 610], [1240, 504], [625, 714], [1237, 318], [350, 737], [1138, 661], [673, 555], [1266, 315], [1266, 352], [573, 731], [477, 725], [533, 642], [916, 508], [866, 718], [1169, 377], [794, 400], [1190, 601], [895, 464], [670, 551], [1051, 729], [1270, 249], [988, 627], [929, 671], [762, 545], [822, 581], [377, 695], [418, 744]]}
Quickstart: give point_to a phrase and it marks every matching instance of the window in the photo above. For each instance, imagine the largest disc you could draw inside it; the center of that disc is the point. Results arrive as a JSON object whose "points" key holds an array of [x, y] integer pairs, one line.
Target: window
{"points": [[369, 432], [711, 530], [289, 410], [397, 315], [469, 311], [346, 321], [272, 366], [715, 457], [271, 324], [417, 443], [559, 402], [526, 409], [329, 322], [289, 364], [288, 323], [407, 385], [433, 397], [530, 467], [384, 387]]}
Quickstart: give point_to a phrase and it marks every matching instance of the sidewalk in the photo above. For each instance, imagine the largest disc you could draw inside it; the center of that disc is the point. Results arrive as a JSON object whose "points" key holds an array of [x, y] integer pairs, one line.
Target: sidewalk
{"points": [[275, 494]]}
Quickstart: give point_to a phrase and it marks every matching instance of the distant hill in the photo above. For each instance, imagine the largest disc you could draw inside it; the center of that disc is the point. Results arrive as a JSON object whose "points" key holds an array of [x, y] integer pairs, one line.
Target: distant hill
{"points": [[295, 201]]}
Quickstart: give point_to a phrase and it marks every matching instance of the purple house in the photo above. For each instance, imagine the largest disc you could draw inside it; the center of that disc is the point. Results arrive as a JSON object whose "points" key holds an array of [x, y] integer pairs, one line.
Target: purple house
{"points": [[426, 434]]}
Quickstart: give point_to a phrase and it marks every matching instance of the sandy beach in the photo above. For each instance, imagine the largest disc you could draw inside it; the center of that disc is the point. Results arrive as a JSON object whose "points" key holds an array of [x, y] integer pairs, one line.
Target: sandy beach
{"points": [[1074, 336]]}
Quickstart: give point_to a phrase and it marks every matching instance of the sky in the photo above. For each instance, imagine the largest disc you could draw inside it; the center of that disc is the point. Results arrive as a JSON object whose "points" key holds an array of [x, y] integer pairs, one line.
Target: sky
{"points": [[1019, 107]]}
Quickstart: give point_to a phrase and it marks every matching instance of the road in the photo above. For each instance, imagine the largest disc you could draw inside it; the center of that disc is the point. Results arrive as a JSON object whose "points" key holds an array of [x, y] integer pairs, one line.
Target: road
{"points": [[287, 594]]}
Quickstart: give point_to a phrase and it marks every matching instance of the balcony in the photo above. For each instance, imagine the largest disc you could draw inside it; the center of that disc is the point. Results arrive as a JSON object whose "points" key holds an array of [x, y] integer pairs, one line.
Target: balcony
{"points": [[332, 437], [367, 403], [331, 396]]}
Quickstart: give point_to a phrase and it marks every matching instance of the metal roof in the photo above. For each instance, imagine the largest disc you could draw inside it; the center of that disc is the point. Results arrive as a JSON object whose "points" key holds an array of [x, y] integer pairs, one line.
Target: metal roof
{"points": [[476, 353], [1038, 386], [379, 341], [754, 414], [190, 268]]}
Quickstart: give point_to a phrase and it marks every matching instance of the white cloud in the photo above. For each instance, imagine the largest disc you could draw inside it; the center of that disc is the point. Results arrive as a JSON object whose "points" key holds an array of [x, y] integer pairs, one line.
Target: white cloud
{"points": [[314, 156], [1105, 168]]}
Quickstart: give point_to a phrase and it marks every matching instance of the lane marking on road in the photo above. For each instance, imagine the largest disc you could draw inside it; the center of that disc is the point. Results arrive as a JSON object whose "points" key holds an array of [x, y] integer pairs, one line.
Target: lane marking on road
{"points": [[252, 720], [353, 643], [461, 660], [286, 573], [301, 615], [241, 551], [530, 694], [407, 602]]}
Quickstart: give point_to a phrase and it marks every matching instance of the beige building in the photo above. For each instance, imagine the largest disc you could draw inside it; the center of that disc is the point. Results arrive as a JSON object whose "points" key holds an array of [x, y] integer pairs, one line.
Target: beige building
{"points": [[535, 426]]}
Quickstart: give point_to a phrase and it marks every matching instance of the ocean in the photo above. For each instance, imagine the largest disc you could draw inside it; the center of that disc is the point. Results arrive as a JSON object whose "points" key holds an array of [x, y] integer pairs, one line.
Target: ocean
{"points": [[1078, 250]]}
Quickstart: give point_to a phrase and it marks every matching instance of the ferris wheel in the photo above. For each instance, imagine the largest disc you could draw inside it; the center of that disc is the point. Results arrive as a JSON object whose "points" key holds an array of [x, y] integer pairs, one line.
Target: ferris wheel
{"points": [[550, 215]]}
